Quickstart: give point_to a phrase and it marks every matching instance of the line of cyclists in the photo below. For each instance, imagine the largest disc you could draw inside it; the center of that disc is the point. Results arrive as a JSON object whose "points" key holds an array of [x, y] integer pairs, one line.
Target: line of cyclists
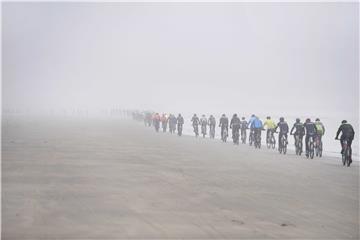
{"points": [[313, 131]]}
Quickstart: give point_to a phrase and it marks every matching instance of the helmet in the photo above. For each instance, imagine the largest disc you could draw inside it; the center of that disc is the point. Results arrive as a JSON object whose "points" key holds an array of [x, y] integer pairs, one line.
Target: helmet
{"points": [[317, 120], [298, 120], [308, 120], [268, 117], [281, 119], [343, 121]]}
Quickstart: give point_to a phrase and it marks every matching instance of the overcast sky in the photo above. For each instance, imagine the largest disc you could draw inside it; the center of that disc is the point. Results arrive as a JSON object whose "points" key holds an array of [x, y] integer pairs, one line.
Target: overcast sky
{"points": [[177, 57]]}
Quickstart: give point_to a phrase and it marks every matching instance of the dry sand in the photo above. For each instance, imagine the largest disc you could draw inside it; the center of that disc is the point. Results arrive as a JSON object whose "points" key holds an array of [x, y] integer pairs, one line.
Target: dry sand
{"points": [[120, 180]]}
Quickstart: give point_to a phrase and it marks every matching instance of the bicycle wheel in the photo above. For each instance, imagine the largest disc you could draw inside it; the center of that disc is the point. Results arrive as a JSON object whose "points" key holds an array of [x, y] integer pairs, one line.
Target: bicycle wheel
{"points": [[343, 158], [273, 142], [311, 150], [347, 156]]}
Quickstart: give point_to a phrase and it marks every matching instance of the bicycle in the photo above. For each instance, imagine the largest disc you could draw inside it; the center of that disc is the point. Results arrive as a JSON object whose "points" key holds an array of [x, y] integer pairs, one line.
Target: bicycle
{"points": [[236, 137], [318, 146], [310, 152], [251, 137], [203, 130], [224, 134], [196, 130], [283, 144], [346, 156], [270, 140], [179, 127], [243, 136], [298, 145], [257, 142], [212, 131]]}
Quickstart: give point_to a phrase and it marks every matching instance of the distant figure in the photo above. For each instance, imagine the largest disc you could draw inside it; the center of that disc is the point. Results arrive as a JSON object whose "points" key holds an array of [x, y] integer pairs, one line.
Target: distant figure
{"points": [[164, 122], [256, 126], [224, 125], [299, 132], [243, 127], [203, 122], [284, 129], [320, 129], [212, 124], [310, 129], [235, 126], [195, 123], [250, 124], [348, 134], [156, 121], [148, 119], [180, 123], [271, 126], [172, 123]]}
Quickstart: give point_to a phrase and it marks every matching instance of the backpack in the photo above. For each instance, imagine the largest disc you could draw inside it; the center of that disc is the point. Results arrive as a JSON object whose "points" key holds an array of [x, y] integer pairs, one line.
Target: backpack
{"points": [[319, 128]]}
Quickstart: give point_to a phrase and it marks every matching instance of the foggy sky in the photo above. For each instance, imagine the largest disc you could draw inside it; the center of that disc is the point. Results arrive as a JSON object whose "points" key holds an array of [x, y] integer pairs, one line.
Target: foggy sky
{"points": [[176, 57]]}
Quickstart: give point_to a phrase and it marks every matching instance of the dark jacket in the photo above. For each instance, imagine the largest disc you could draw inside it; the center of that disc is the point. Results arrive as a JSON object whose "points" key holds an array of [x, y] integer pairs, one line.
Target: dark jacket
{"points": [[347, 131]]}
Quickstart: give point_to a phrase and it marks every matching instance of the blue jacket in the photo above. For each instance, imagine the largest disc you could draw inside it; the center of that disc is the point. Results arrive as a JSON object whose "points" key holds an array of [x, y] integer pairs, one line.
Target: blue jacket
{"points": [[256, 123], [251, 120]]}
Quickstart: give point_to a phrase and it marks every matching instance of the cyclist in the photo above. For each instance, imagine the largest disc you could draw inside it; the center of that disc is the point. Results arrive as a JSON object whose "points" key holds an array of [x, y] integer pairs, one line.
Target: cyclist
{"points": [[164, 122], [347, 133], [320, 129], [172, 123], [299, 131], [224, 124], [195, 123], [212, 124], [243, 126], [203, 122], [235, 126], [256, 126], [284, 129], [270, 125], [310, 133], [180, 123], [252, 118], [156, 120]]}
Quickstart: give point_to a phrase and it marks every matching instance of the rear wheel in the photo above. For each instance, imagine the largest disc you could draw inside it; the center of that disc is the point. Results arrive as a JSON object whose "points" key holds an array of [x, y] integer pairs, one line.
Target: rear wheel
{"points": [[273, 142], [311, 150], [347, 156]]}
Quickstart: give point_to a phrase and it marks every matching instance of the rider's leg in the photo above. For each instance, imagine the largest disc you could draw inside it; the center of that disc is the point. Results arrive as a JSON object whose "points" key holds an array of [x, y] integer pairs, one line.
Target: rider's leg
{"points": [[342, 145]]}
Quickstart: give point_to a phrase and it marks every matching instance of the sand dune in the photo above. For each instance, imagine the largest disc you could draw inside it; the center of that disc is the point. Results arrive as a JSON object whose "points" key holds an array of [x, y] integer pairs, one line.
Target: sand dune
{"points": [[119, 180]]}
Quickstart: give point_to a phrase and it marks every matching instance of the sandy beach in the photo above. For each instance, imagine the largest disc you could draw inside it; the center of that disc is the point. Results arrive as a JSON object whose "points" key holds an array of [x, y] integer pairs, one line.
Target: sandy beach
{"points": [[107, 179]]}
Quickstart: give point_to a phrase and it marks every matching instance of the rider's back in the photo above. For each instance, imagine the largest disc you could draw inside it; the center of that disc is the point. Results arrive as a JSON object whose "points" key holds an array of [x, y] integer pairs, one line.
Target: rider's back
{"points": [[347, 130]]}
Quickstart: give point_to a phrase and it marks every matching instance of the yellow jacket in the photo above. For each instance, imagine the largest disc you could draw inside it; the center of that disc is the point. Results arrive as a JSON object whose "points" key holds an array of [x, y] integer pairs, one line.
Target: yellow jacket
{"points": [[270, 124]]}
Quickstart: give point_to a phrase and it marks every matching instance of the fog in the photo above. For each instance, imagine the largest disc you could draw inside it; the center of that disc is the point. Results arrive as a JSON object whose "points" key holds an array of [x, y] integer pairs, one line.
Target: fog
{"points": [[270, 58]]}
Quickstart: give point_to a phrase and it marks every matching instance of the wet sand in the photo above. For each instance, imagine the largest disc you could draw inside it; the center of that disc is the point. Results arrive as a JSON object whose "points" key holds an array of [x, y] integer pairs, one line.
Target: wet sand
{"points": [[119, 180]]}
